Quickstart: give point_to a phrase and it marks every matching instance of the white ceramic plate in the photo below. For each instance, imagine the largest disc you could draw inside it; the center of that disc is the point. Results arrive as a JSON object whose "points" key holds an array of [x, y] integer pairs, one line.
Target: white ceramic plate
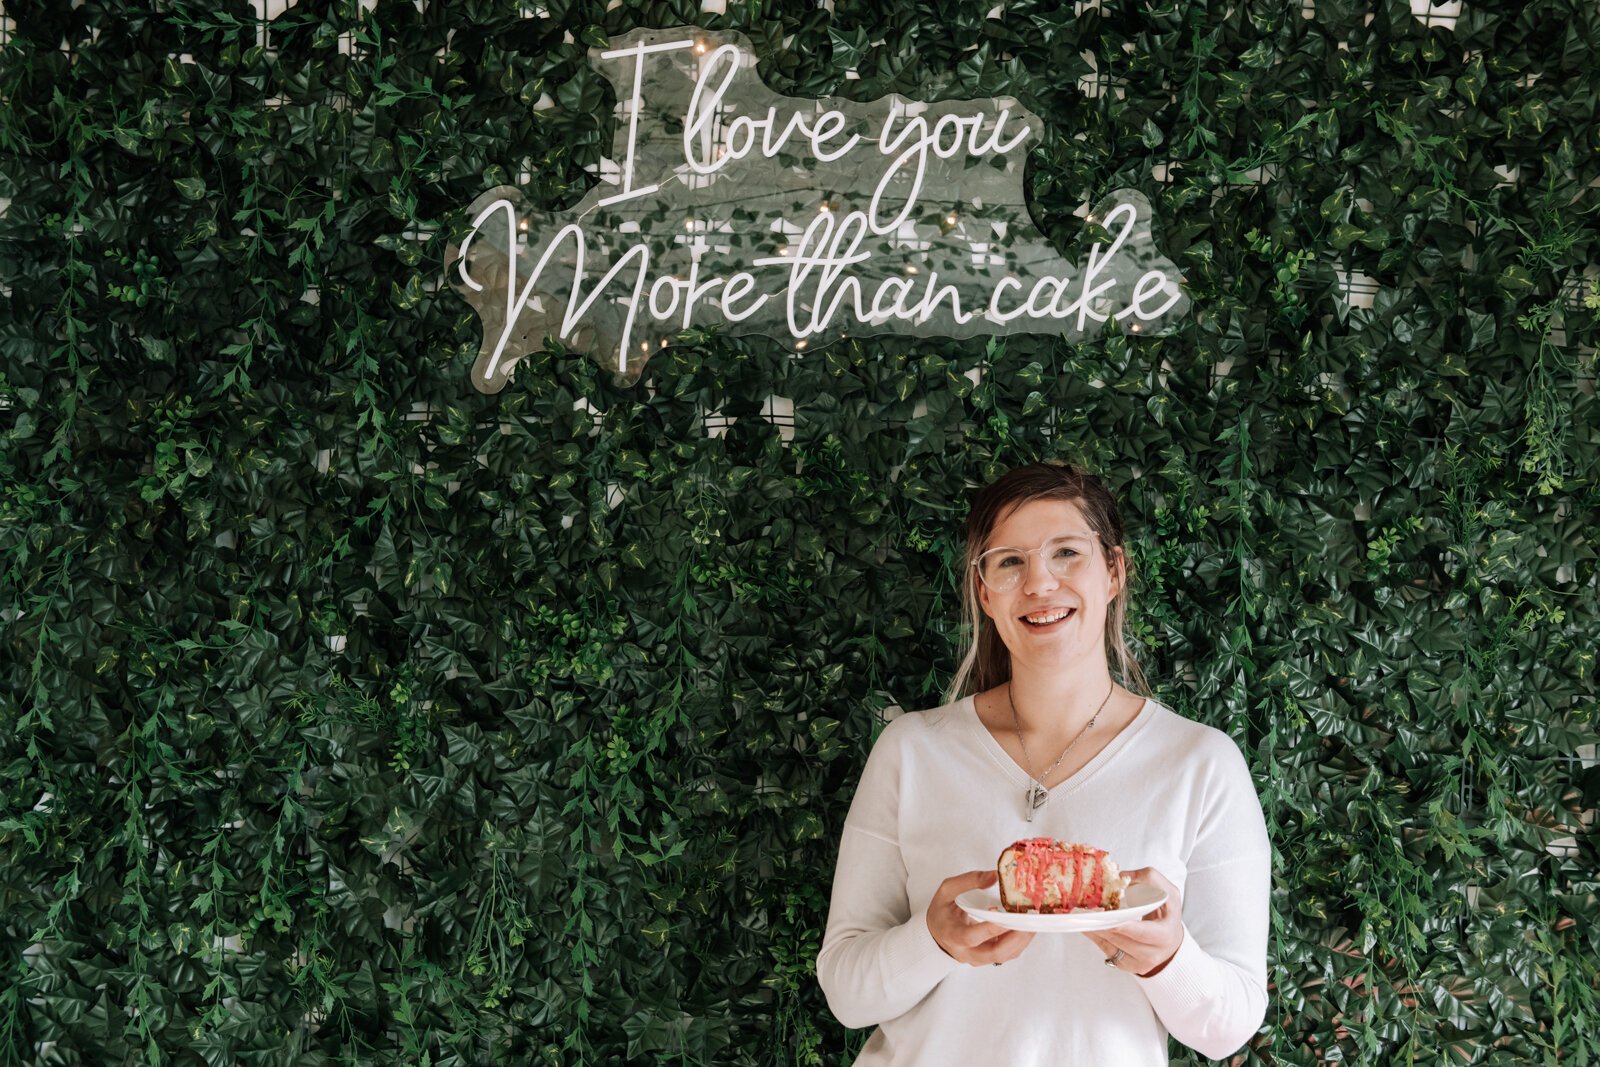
{"points": [[984, 905]]}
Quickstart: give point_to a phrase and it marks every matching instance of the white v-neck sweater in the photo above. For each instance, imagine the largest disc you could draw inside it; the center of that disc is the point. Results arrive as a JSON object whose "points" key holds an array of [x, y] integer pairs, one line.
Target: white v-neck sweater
{"points": [[939, 797]]}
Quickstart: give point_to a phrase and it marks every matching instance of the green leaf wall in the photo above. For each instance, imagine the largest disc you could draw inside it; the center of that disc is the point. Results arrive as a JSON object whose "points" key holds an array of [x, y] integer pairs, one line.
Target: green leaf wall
{"points": [[349, 716]]}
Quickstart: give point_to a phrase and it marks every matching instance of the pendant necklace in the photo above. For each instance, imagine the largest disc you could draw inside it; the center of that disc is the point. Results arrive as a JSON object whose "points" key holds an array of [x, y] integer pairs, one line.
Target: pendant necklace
{"points": [[1036, 795]]}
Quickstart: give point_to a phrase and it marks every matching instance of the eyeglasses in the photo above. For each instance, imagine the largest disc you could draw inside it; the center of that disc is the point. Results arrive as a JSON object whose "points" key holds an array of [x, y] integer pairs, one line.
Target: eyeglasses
{"points": [[1001, 569]]}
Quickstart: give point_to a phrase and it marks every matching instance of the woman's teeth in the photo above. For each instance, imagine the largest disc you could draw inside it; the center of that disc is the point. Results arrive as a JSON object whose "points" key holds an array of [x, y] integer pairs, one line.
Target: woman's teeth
{"points": [[1047, 619]]}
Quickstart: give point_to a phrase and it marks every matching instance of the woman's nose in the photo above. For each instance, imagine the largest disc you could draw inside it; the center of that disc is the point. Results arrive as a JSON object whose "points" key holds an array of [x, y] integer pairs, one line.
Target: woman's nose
{"points": [[1039, 573]]}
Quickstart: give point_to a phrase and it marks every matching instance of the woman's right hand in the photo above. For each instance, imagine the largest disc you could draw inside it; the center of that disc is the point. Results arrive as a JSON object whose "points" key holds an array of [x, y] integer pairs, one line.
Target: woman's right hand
{"points": [[960, 935]]}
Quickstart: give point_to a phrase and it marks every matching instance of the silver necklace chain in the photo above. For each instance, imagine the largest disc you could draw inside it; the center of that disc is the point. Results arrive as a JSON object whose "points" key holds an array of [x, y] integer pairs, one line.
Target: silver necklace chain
{"points": [[1036, 795]]}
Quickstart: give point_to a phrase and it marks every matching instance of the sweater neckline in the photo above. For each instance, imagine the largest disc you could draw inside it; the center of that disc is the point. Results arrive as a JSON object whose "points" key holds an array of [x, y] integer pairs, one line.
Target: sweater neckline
{"points": [[1013, 771]]}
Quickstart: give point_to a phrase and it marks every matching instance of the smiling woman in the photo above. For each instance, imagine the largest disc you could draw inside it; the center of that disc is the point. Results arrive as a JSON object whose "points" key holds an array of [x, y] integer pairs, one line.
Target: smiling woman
{"points": [[1035, 729]]}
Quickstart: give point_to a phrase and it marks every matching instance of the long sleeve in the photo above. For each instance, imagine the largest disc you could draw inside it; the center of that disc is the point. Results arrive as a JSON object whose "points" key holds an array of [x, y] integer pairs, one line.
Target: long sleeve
{"points": [[1212, 996], [878, 958]]}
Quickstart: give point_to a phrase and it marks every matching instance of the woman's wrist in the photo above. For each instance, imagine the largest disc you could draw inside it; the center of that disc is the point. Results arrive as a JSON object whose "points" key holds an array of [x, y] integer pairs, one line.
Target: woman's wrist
{"points": [[1158, 968]]}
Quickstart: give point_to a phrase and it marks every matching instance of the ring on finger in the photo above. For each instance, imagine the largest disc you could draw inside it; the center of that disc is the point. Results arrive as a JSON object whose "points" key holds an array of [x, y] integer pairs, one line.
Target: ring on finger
{"points": [[1116, 958]]}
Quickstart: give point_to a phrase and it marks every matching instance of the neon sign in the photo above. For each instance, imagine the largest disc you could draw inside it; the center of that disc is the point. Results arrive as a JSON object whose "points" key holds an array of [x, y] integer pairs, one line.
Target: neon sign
{"points": [[732, 206]]}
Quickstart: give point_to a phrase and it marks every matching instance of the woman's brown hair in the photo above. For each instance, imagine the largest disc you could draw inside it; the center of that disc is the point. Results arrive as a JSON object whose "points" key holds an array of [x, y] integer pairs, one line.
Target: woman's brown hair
{"points": [[986, 662]]}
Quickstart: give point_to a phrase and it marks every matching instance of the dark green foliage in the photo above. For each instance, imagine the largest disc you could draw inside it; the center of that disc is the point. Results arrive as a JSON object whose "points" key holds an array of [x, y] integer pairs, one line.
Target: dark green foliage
{"points": [[351, 716]]}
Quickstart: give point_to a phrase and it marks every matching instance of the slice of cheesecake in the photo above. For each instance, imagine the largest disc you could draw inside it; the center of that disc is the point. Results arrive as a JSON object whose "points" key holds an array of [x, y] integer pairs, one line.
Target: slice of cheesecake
{"points": [[1041, 874]]}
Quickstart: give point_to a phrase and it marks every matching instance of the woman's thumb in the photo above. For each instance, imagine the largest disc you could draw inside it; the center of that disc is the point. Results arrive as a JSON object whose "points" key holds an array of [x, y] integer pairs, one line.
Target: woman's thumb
{"points": [[980, 879]]}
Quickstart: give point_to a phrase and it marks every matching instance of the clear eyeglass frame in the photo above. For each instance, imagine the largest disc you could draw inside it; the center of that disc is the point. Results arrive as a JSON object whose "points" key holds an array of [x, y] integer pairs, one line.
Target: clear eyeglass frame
{"points": [[1060, 567]]}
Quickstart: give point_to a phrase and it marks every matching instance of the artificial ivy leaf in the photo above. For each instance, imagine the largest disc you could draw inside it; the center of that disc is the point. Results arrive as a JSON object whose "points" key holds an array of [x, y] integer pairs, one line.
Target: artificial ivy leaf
{"points": [[156, 349], [1259, 56], [1514, 281], [1344, 235], [1480, 330], [849, 47], [1336, 205]]}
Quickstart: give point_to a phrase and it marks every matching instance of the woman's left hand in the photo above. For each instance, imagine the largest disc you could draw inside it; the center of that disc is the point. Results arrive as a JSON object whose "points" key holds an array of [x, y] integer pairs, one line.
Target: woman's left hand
{"points": [[1149, 943]]}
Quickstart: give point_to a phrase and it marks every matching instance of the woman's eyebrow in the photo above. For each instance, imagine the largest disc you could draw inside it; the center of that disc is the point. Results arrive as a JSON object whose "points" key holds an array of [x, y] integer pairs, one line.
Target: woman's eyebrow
{"points": [[1058, 537]]}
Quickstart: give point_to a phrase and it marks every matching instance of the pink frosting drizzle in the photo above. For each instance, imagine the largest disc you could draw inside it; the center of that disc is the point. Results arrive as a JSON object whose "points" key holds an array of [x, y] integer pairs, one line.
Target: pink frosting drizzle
{"points": [[1041, 862]]}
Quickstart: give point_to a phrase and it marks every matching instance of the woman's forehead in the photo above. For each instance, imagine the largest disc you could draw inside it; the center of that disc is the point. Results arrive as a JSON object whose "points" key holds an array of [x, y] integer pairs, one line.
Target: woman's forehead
{"points": [[1028, 524]]}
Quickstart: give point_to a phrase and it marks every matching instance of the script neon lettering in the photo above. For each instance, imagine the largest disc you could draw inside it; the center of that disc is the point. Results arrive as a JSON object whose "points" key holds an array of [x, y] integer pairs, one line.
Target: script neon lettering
{"points": [[839, 240], [740, 286], [1098, 259], [1151, 283], [922, 141], [931, 301], [995, 313], [699, 124], [635, 105], [901, 288], [579, 305]]}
